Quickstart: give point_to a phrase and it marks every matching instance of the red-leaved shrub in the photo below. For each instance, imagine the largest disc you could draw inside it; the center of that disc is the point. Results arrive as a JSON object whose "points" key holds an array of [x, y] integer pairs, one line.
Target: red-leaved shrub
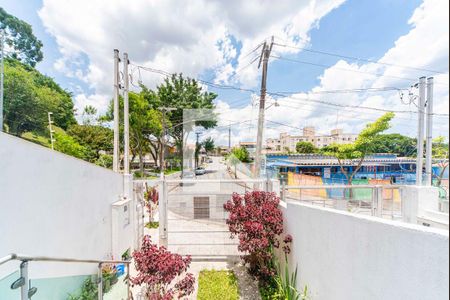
{"points": [[158, 269], [257, 221], [151, 200]]}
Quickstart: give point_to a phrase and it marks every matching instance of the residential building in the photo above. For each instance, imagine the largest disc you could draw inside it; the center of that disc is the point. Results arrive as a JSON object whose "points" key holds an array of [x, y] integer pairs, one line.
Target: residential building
{"points": [[288, 142]]}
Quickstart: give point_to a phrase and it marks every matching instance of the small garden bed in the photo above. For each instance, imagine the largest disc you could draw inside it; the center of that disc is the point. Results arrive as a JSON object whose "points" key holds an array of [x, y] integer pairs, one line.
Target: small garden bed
{"points": [[152, 225], [217, 285]]}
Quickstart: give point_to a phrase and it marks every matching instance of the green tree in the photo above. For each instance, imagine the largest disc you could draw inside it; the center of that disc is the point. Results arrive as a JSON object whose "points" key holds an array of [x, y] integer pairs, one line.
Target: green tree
{"points": [[22, 110], [363, 146], [105, 161], [29, 96], [209, 145], [145, 125], [94, 138], [396, 143], [20, 38], [305, 148], [89, 114], [237, 156], [183, 93], [66, 144], [441, 156]]}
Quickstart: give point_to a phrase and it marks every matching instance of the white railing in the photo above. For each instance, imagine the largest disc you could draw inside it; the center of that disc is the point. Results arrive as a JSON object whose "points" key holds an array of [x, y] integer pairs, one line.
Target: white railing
{"points": [[26, 291], [384, 201]]}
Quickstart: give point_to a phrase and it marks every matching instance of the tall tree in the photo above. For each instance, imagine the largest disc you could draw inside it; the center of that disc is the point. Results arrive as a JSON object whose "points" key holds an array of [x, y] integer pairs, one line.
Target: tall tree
{"points": [[145, 126], [25, 46], [209, 145], [89, 115], [184, 93], [358, 150], [305, 148]]}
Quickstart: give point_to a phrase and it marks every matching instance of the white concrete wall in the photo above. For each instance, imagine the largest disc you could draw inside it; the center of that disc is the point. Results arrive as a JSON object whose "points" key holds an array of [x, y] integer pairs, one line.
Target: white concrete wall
{"points": [[54, 205], [346, 256]]}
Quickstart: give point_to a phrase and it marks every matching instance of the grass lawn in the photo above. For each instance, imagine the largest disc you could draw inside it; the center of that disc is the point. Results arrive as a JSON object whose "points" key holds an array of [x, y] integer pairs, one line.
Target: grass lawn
{"points": [[215, 285]]}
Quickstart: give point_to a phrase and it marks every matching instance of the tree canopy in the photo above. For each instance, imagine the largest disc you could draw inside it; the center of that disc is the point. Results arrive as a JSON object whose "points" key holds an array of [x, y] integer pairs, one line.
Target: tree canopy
{"points": [[305, 148], [396, 143], [94, 138], [28, 98], [26, 47], [239, 155], [364, 145], [209, 145], [183, 93]]}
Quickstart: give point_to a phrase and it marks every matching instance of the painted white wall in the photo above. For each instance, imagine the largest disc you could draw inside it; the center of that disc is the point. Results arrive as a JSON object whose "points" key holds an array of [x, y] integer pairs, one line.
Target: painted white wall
{"points": [[421, 205], [52, 204], [346, 256]]}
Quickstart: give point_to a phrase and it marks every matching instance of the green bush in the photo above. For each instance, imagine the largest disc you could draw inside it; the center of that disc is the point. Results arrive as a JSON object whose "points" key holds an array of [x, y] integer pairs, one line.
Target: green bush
{"points": [[215, 285], [152, 225], [88, 291]]}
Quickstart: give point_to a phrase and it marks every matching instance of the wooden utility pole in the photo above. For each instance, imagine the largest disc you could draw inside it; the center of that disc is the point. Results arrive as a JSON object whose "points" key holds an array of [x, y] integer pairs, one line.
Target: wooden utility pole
{"points": [[264, 59]]}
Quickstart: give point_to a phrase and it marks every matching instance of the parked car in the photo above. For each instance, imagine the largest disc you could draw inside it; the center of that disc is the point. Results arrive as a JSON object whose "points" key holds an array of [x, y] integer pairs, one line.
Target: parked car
{"points": [[200, 171]]}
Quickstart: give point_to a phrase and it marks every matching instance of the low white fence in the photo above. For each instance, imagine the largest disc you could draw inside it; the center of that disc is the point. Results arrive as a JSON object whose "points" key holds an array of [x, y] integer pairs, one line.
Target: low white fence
{"points": [[341, 255]]}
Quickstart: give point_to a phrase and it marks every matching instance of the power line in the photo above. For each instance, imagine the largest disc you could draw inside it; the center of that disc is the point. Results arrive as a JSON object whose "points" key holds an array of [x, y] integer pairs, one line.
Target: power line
{"points": [[359, 59], [351, 106], [349, 91], [229, 87], [339, 68]]}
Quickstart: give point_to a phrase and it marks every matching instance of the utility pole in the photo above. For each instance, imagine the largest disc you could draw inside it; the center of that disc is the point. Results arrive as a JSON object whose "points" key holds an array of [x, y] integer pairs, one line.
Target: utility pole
{"points": [[429, 149], [229, 139], [162, 163], [126, 117], [50, 128], [420, 134], [2, 71], [265, 55], [116, 112], [196, 152]]}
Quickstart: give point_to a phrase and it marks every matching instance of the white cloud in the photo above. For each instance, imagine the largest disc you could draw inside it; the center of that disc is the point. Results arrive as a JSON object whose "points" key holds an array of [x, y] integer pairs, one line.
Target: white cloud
{"points": [[178, 36], [195, 36], [100, 102], [425, 46]]}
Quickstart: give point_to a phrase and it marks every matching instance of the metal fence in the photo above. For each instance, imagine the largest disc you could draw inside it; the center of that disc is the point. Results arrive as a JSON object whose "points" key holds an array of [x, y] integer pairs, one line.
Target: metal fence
{"points": [[383, 201], [193, 219]]}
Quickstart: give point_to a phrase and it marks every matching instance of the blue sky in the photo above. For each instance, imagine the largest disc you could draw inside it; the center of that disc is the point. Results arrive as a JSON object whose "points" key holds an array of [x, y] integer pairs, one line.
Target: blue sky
{"points": [[77, 48]]}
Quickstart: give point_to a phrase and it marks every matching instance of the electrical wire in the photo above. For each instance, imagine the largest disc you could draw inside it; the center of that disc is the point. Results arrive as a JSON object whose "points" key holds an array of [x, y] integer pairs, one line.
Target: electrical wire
{"points": [[343, 69], [359, 59], [229, 87]]}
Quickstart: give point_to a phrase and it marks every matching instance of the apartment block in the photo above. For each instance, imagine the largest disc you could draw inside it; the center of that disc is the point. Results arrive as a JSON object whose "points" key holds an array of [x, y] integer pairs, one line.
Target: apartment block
{"points": [[286, 141]]}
